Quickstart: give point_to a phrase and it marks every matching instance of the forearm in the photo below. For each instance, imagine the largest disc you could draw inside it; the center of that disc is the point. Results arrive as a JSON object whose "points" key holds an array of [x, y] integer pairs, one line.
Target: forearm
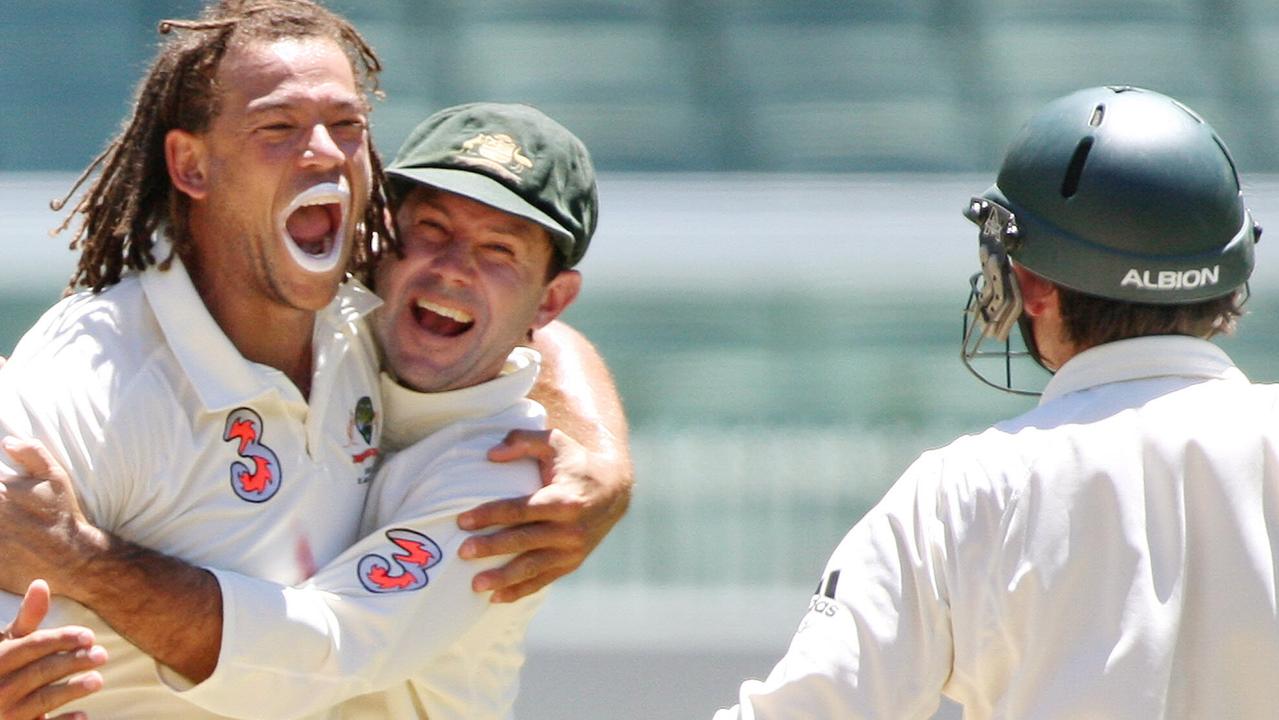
{"points": [[171, 610], [369, 618], [580, 396]]}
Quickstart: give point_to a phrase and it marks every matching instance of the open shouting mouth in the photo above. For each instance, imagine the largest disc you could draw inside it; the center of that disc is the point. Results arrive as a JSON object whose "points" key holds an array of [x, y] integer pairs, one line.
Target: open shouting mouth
{"points": [[441, 320], [314, 225]]}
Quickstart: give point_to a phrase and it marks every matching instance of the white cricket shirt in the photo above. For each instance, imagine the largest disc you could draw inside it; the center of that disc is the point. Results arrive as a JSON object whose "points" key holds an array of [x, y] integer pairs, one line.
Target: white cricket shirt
{"points": [[1111, 554], [398, 604], [178, 443]]}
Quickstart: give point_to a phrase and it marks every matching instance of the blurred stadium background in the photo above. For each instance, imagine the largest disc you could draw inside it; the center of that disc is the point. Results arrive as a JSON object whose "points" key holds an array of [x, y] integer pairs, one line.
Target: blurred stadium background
{"points": [[780, 266]]}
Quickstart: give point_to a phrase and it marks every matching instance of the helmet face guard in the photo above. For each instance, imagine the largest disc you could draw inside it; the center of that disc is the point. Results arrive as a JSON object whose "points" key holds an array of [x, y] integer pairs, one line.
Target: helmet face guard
{"points": [[994, 302]]}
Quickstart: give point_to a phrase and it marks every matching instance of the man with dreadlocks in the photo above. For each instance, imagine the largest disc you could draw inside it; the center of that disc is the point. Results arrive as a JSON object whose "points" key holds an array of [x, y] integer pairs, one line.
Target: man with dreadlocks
{"points": [[210, 394]]}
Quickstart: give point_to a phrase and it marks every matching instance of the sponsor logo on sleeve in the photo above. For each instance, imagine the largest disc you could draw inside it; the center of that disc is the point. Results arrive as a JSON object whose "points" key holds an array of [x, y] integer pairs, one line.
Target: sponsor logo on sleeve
{"points": [[823, 601], [259, 479], [406, 569]]}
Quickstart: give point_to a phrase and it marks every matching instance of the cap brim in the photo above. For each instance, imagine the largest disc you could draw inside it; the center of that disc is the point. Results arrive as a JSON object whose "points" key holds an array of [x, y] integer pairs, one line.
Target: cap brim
{"points": [[482, 188]]}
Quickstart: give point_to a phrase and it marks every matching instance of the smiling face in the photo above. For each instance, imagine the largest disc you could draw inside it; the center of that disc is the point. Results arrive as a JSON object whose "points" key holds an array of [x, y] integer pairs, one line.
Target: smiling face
{"points": [[281, 175], [471, 285]]}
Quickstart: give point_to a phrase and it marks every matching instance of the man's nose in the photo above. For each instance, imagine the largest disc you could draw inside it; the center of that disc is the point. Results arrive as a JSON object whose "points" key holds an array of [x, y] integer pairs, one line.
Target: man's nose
{"points": [[321, 150], [453, 260]]}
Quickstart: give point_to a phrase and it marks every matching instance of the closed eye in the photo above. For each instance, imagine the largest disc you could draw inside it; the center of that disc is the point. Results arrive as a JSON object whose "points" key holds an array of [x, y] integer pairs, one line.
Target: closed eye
{"points": [[350, 128], [500, 248]]}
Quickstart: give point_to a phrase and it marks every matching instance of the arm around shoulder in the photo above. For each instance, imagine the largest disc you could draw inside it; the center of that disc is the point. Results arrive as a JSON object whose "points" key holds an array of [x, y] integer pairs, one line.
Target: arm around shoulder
{"points": [[586, 467], [580, 396]]}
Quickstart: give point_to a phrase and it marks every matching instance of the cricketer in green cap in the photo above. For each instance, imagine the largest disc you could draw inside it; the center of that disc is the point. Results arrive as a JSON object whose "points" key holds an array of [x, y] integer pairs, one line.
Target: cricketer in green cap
{"points": [[512, 157], [493, 205]]}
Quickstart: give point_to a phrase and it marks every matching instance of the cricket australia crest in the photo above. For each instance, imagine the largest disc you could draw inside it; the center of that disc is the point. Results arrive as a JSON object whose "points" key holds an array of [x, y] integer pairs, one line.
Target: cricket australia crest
{"points": [[497, 152]]}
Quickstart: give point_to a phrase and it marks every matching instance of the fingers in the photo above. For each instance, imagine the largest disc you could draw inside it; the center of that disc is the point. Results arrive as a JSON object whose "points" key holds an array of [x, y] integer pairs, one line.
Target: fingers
{"points": [[51, 695], [525, 539], [526, 573], [32, 669], [21, 653], [31, 455], [508, 511], [528, 587], [520, 444], [546, 505], [35, 605], [37, 462]]}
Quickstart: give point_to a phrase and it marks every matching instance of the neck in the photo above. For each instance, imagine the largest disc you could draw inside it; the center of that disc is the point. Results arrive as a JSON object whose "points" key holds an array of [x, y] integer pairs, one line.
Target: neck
{"points": [[269, 333], [1055, 348]]}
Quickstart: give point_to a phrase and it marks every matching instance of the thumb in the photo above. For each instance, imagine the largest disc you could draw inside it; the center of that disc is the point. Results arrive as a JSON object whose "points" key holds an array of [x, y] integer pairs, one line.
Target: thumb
{"points": [[35, 605]]}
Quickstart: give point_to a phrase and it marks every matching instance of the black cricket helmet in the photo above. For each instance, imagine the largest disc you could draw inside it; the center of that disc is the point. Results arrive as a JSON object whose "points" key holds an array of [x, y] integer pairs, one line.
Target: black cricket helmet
{"points": [[1117, 192]]}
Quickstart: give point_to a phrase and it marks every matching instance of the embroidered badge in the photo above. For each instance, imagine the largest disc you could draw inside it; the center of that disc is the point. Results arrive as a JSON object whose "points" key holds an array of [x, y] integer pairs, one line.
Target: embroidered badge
{"points": [[362, 437], [260, 481], [498, 152], [406, 570]]}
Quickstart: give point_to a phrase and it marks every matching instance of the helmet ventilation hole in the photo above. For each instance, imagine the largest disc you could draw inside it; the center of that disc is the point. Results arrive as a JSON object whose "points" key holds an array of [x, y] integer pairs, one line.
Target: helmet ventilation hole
{"points": [[1070, 185], [1098, 114]]}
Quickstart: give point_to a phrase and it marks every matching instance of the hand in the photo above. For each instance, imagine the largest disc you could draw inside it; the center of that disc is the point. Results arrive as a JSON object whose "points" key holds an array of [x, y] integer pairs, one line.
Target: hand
{"points": [[553, 530], [41, 518], [34, 662]]}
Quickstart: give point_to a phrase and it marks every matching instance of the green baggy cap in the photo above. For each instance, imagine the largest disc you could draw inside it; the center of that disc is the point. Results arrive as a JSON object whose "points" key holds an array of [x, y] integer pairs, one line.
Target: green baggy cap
{"points": [[511, 157]]}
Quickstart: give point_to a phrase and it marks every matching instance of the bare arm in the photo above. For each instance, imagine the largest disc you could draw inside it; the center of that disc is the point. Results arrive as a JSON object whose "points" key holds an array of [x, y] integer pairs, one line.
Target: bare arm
{"points": [[580, 397], [585, 462], [170, 609]]}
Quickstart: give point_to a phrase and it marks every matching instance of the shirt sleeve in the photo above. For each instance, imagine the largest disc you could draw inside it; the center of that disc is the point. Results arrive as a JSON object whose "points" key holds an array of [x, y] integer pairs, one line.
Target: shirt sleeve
{"points": [[875, 642], [379, 611], [47, 395]]}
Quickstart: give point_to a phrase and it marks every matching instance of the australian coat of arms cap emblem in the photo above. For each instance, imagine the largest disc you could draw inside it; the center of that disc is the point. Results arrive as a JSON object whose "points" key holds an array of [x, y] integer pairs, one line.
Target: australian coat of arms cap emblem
{"points": [[498, 152]]}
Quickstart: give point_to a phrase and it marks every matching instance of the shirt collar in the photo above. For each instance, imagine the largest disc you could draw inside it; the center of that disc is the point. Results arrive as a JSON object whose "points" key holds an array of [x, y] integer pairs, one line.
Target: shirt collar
{"points": [[1139, 359], [221, 376], [412, 415]]}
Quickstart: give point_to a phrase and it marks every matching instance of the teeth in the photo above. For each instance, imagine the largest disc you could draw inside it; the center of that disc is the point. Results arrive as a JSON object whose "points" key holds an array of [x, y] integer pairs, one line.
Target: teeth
{"points": [[322, 194], [450, 313]]}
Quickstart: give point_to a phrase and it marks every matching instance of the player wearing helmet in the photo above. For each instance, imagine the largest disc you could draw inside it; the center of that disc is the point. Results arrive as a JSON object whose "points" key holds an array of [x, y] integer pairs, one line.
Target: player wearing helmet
{"points": [[1110, 553]]}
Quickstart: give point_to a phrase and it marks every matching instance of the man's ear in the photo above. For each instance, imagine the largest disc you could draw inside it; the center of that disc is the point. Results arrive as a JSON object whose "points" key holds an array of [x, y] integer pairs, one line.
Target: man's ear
{"points": [[559, 293], [185, 157], [1038, 296]]}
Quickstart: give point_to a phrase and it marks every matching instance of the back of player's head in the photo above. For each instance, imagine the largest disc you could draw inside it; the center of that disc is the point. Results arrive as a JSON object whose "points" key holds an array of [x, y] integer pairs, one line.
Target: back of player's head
{"points": [[511, 157], [1126, 194], [1130, 204]]}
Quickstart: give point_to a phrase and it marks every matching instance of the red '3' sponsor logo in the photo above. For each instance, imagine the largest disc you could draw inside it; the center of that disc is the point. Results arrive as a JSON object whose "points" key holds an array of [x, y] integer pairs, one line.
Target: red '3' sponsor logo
{"points": [[406, 570], [261, 480]]}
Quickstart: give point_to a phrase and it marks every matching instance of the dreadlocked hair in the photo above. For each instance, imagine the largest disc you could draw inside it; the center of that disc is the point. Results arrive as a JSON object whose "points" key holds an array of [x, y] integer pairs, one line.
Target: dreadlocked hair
{"points": [[133, 196]]}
